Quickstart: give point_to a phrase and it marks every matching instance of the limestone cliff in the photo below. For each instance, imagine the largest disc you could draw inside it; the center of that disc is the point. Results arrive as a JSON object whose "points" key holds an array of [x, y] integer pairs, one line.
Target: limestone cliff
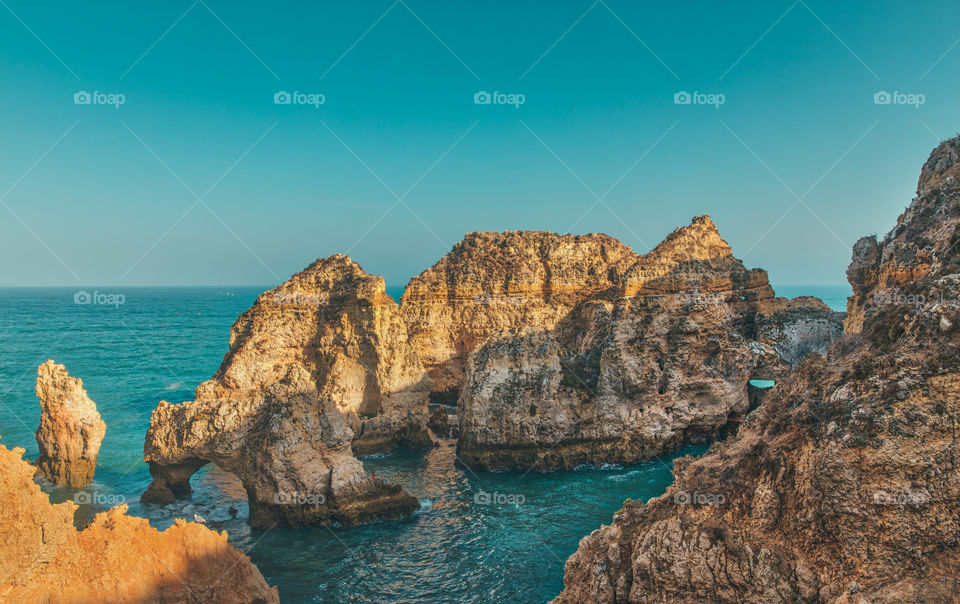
{"points": [[492, 282], [71, 429], [649, 353], [317, 368], [843, 485], [117, 558]]}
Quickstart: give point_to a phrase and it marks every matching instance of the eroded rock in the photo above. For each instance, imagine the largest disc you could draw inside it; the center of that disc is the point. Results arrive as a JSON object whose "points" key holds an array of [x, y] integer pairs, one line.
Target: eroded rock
{"points": [[317, 369], [71, 429], [656, 351], [116, 558], [842, 486]]}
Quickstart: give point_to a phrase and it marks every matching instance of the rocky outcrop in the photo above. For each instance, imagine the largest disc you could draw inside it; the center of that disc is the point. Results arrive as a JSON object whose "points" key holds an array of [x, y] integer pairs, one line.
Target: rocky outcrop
{"points": [[117, 558], [439, 422], [842, 486], [568, 349], [317, 369], [493, 282], [71, 429], [650, 353]]}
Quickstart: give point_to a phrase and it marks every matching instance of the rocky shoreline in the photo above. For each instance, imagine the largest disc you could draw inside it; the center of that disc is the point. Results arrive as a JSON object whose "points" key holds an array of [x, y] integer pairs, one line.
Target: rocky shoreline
{"points": [[842, 485], [839, 484]]}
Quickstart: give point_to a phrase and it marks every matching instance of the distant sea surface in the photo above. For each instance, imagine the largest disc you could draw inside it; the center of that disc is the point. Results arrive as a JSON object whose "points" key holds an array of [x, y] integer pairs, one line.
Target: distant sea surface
{"points": [[835, 296], [158, 344]]}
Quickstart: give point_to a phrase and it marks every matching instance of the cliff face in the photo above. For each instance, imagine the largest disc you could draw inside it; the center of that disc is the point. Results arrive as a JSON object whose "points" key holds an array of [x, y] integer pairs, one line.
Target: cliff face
{"points": [[842, 485], [71, 429], [117, 558], [492, 282], [656, 352], [317, 367]]}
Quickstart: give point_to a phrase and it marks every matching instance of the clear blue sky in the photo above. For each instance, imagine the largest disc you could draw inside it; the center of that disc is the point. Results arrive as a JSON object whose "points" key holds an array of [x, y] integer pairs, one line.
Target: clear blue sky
{"points": [[399, 80]]}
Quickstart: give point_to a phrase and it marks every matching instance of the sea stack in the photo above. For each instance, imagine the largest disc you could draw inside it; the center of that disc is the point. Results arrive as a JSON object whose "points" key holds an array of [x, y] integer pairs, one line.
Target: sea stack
{"points": [[318, 369], [71, 429]]}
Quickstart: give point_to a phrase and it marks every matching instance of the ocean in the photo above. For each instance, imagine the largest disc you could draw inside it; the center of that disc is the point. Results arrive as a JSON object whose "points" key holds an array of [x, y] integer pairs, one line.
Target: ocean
{"points": [[480, 537]]}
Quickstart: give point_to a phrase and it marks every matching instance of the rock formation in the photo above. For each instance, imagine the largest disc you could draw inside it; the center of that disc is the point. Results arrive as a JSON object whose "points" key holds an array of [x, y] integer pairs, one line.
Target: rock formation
{"points": [[492, 282], [117, 558], [628, 358], [439, 423], [842, 486], [573, 349], [70, 429], [317, 369]]}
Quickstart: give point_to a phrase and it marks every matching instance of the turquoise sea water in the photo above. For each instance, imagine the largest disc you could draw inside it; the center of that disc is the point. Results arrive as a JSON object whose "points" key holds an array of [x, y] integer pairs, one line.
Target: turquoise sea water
{"points": [[159, 343], [834, 296]]}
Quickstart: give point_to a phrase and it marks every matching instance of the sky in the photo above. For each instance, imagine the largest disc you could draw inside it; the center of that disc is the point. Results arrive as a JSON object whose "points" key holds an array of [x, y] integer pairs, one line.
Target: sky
{"points": [[152, 144]]}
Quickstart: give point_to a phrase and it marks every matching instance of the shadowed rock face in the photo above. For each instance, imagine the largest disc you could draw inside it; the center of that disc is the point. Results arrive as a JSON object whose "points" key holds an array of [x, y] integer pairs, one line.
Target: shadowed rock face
{"points": [[317, 368], [116, 558], [655, 352], [842, 486], [71, 429]]}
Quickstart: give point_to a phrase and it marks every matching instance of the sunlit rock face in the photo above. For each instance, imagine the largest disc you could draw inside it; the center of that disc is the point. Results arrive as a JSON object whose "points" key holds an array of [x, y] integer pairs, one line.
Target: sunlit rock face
{"points": [[492, 282], [649, 353], [653, 351], [842, 486], [71, 429], [317, 368], [116, 558]]}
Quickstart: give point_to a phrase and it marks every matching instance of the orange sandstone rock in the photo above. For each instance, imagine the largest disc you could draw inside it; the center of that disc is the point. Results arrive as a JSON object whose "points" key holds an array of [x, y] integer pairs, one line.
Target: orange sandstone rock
{"points": [[117, 558], [70, 429], [317, 368]]}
